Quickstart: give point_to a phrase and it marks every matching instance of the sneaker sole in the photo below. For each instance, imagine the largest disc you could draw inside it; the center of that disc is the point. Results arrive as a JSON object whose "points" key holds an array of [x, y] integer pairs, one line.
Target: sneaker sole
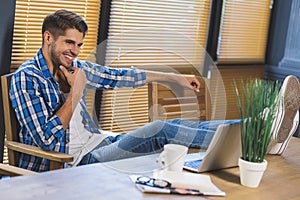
{"points": [[291, 103], [279, 148]]}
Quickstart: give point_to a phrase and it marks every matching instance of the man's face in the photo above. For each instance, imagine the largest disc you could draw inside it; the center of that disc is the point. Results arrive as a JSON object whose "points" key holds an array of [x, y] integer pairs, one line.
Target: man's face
{"points": [[66, 48]]}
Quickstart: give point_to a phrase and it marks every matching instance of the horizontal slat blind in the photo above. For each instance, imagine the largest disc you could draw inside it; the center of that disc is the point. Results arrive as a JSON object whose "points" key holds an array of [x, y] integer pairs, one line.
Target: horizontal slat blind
{"points": [[123, 110], [164, 33], [161, 32], [29, 16], [243, 31]]}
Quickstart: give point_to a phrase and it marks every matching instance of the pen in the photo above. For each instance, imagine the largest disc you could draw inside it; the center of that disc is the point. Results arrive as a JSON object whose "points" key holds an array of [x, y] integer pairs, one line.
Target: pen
{"points": [[151, 189], [185, 191]]}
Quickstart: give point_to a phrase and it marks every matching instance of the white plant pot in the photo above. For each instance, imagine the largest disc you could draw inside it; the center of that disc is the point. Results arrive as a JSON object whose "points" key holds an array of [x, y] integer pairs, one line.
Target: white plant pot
{"points": [[251, 173]]}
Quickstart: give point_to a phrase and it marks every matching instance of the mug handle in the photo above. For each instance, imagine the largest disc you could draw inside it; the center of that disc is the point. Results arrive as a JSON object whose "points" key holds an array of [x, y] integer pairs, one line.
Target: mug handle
{"points": [[161, 159]]}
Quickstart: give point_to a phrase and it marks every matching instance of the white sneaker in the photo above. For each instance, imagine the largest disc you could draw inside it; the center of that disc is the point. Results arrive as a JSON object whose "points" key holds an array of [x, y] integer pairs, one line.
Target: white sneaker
{"points": [[287, 115]]}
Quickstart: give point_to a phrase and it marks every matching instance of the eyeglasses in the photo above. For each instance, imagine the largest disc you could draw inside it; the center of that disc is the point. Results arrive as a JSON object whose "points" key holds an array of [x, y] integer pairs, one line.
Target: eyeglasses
{"points": [[164, 185], [152, 182]]}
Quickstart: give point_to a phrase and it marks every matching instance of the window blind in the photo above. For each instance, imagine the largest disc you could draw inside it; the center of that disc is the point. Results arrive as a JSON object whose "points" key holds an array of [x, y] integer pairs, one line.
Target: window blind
{"points": [[243, 31], [166, 35], [162, 32], [29, 16], [123, 110]]}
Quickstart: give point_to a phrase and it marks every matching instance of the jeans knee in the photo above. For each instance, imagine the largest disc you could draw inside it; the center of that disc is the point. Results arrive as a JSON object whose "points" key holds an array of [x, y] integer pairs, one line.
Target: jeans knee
{"points": [[159, 124]]}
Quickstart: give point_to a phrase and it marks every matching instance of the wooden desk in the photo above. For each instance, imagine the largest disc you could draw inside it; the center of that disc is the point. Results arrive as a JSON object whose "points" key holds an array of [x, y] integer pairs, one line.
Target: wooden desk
{"points": [[98, 181], [281, 180]]}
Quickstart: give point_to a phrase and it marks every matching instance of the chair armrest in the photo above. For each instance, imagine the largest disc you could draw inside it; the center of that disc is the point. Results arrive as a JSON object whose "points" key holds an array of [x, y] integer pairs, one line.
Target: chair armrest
{"points": [[9, 170], [37, 151]]}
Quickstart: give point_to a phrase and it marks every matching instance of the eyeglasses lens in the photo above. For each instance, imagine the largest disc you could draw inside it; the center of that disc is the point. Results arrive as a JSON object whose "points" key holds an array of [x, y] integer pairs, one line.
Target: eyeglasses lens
{"points": [[145, 180]]}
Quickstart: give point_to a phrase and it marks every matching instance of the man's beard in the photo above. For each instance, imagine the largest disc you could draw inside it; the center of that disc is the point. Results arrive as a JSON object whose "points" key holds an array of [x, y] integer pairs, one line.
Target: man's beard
{"points": [[63, 83], [55, 57]]}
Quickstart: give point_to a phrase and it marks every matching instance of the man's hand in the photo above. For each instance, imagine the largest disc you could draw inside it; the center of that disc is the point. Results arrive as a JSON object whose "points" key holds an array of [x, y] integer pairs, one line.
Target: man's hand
{"points": [[191, 82], [76, 79]]}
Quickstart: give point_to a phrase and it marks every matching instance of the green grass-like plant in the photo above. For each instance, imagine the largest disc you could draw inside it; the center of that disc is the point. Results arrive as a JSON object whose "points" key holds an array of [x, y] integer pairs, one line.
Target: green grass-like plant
{"points": [[257, 102]]}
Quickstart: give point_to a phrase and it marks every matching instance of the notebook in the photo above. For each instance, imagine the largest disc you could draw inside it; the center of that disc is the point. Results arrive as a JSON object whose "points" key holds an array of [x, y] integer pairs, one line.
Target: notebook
{"points": [[223, 151]]}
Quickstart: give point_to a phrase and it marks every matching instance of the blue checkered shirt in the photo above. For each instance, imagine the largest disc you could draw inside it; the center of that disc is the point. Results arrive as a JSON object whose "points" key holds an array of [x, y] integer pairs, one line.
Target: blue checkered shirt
{"points": [[36, 98]]}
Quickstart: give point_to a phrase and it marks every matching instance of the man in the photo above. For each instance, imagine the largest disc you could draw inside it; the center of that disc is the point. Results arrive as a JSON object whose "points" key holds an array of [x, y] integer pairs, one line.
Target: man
{"points": [[47, 93]]}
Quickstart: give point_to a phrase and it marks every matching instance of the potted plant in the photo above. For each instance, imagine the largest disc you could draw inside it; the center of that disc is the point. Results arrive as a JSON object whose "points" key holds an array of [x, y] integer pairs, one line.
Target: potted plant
{"points": [[257, 103]]}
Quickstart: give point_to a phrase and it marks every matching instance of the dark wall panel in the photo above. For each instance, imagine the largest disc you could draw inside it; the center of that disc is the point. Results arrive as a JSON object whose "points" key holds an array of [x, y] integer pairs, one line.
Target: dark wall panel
{"points": [[7, 12]]}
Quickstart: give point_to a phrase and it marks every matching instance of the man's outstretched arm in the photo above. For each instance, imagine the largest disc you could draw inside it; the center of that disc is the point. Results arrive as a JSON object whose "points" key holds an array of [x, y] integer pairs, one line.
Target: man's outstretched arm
{"points": [[188, 81]]}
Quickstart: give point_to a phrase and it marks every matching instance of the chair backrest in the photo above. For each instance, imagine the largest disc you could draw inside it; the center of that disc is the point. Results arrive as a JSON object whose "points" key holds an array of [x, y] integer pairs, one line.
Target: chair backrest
{"points": [[10, 121], [166, 102]]}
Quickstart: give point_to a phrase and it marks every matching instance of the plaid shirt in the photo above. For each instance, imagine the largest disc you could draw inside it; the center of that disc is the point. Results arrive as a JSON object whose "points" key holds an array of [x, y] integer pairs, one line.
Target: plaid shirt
{"points": [[36, 98]]}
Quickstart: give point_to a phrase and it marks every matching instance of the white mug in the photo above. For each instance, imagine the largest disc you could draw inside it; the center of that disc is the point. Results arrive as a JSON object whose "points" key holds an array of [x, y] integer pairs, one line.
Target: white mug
{"points": [[172, 158]]}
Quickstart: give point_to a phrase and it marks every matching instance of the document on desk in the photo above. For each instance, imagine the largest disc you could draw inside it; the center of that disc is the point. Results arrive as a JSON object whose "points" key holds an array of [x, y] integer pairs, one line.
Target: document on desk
{"points": [[183, 183]]}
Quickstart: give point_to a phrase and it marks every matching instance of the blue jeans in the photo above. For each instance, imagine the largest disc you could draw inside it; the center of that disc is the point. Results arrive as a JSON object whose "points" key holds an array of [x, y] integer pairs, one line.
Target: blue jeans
{"points": [[151, 138]]}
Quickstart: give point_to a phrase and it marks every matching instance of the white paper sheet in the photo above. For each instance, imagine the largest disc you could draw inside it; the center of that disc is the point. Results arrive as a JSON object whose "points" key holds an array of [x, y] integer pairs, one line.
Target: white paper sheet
{"points": [[183, 180]]}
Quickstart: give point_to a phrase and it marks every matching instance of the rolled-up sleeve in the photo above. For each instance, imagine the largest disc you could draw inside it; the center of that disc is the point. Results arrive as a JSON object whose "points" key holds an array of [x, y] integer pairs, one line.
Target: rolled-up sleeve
{"points": [[102, 77]]}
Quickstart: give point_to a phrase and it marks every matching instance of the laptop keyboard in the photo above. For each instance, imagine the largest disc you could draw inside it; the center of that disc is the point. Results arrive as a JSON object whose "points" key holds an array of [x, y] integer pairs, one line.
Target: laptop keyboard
{"points": [[193, 164]]}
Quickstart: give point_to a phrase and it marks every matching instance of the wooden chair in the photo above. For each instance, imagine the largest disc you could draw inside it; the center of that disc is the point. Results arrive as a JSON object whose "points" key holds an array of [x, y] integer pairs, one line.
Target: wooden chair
{"points": [[13, 145], [167, 102]]}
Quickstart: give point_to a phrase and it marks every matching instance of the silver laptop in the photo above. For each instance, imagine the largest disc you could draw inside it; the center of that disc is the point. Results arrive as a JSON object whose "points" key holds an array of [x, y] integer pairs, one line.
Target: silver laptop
{"points": [[223, 151]]}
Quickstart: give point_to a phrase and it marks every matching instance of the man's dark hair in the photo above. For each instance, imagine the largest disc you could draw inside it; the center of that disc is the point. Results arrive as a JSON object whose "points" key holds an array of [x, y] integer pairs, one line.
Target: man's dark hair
{"points": [[58, 22]]}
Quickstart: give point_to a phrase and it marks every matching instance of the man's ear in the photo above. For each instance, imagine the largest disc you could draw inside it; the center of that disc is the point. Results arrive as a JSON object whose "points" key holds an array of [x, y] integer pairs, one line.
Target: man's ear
{"points": [[47, 37]]}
